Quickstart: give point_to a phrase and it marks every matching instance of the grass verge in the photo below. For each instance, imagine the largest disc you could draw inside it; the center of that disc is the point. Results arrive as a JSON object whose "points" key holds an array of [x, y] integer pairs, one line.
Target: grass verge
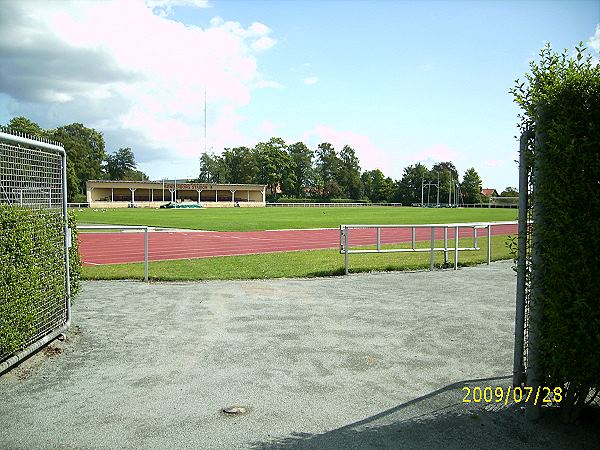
{"points": [[303, 264], [255, 219]]}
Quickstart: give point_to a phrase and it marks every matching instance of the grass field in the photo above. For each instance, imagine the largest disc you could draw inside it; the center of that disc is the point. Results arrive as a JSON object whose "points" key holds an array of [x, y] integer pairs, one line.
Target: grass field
{"points": [[313, 263], [253, 219]]}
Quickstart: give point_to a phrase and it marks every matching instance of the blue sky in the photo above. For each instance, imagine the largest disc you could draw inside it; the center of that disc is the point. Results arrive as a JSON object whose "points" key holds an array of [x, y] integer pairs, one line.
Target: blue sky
{"points": [[401, 82]]}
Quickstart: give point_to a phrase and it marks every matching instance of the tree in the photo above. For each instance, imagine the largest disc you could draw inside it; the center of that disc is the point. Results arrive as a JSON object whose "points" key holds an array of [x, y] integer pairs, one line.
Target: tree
{"points": [[24, 125], [448, 177], [408, 189], [377, 187], [302, 165], [510, 192], [119, 164], [239, 165], [471, 186], [212, 169], [274, 166], [85, 154], [348, 176], [327, 162]]}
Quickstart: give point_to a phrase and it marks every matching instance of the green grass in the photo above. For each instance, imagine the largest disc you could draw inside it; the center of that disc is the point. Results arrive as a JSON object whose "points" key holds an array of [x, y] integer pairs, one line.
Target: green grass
{"points": [[253, 219], [313, 263]]}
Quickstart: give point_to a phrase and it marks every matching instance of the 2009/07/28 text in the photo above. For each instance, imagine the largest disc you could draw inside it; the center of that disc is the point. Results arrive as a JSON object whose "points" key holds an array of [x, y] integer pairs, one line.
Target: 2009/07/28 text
{"points": [[488, 394]]}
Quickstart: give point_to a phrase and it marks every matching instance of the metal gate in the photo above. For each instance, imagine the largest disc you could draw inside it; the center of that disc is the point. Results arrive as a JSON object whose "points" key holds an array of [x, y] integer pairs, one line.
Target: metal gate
{"points": [[33, 179]]}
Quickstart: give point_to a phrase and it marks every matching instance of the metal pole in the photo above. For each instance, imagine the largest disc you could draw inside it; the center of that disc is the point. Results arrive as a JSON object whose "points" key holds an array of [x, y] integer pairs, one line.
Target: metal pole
{"points": [[432, 247], [474, 237], [413, 237], [146, 254], [422, 184], [456, 248], [518, 360], [378, 239], [489, 243], [346, 250], [438, 190], [445, 245]]}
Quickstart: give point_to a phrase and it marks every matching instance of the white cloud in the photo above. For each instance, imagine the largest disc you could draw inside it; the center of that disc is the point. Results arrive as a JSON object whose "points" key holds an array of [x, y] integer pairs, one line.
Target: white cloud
{"points": [[133, 71], [434, 154], [164, 8], [263, 43], [311, 80]]}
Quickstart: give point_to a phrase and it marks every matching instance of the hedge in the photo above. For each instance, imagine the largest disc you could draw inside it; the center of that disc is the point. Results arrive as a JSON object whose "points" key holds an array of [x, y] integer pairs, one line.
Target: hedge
{"points": [[32, 277], [562, 108]]}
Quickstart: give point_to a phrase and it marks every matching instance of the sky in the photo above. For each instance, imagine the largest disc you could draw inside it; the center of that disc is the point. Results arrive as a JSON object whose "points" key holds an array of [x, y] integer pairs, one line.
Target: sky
{"points": [[399, 81]]}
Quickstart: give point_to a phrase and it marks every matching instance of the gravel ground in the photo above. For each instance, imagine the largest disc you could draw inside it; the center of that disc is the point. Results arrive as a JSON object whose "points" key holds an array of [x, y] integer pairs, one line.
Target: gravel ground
{"points": [[365, 361]]}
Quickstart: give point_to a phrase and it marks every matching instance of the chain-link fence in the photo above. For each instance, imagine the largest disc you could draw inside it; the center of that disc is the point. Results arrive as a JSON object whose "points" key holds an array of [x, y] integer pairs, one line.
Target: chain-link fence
{"points": [[34, 240]]}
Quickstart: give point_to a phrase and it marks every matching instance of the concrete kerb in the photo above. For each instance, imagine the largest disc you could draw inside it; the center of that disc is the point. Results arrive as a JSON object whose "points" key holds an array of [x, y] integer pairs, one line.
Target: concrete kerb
{"points": [[318, 363]]}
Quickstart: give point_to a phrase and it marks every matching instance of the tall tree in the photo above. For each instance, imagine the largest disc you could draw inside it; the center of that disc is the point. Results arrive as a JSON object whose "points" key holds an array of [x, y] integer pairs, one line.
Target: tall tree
{"points": [[302, 165], [212, 169], [378, 187], [448, 177], [408, 189], [119, 163], [274, 165], [85, 151], [327, 162], [471, 186], [239, 165], [348, 176]]}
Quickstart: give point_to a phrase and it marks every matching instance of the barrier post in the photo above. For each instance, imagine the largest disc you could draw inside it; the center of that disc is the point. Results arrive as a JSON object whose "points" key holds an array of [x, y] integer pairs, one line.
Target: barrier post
{"points": [[378, 239], [346, 250], [445, 245], [413, 237], [456, 248], [489, 243], [432, 248], [146, 254]]}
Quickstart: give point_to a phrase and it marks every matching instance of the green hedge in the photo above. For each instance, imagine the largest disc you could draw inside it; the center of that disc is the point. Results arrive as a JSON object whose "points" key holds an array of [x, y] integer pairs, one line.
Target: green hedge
{"points": [[32, 276], [562, 107]]}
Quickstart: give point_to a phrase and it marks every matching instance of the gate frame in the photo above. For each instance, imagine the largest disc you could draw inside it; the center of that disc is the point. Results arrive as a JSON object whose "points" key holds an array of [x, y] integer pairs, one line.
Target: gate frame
{"points": [[20, 138]]}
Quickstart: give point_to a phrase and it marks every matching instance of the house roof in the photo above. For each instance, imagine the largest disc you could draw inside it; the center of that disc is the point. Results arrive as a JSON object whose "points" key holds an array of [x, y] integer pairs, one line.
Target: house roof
{"points": [[490, 192]]}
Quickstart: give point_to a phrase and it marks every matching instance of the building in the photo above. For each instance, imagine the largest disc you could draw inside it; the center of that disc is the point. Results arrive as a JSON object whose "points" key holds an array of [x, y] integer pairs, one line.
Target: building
{"points": [[489, 193], [152, 194]]}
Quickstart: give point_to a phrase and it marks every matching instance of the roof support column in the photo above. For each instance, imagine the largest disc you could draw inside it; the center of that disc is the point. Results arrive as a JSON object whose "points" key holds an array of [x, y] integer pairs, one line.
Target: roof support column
{"points": [[133, 194]]}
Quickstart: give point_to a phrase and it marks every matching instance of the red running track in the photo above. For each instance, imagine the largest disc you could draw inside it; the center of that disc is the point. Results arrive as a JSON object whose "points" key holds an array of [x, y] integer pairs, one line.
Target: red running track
{"points": [[124, 247]]}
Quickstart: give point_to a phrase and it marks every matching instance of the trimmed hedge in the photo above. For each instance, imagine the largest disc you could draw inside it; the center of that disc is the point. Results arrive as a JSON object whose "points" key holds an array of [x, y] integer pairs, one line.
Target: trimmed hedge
{"points": [[562, 107], [32, 282]]}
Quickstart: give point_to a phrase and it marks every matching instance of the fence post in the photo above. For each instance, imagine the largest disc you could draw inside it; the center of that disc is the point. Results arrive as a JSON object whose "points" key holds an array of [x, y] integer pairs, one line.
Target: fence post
{"points": [[445, 245], [378, 239], [413, 238], [489, 243], [346, 250], [146, 254], [432, 248], [456, 248], [518, 360]]}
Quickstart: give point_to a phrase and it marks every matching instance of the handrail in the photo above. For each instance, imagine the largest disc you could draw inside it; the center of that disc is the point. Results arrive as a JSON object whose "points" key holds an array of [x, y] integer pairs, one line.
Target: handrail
{"points": [[124, 227], [345, 237]]}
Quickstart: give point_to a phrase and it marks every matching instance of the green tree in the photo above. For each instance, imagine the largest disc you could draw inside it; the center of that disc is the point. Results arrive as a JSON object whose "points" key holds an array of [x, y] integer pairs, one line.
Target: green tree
{"points": [[510, 192], [119, 163], [408, 189], [348, 176], [302, 165], [24, 125], [327, 162], [274, 166], [212, 169], [239, 165], [470, 187], [448, 177], [85, 154], [378, 187]]}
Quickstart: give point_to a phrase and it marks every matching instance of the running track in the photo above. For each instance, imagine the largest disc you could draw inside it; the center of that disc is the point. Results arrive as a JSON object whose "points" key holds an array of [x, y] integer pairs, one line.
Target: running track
{"points": [[124, 247]]}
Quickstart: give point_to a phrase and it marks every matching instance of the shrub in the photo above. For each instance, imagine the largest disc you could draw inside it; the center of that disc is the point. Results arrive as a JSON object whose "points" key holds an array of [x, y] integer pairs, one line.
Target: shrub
{"points": [[32, 285]]}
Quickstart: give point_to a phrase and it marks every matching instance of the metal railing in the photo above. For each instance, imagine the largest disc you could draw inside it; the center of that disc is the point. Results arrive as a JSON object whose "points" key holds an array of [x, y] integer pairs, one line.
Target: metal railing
{"points": [[346, 250], [78, 205], [124, 228]]}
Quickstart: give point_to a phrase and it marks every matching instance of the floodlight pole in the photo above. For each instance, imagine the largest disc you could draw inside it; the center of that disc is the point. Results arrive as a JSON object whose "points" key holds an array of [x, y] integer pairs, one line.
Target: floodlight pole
{"points": [[422, 185], [438, 189]]}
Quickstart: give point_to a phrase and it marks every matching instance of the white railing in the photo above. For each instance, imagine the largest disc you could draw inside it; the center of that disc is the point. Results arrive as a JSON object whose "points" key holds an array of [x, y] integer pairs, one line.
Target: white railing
{"points": [[120, 228], [78, 205], [346, 250]]}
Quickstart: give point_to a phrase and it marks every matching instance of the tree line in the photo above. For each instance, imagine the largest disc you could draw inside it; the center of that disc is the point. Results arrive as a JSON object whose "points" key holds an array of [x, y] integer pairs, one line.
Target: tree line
{"points": [[296, 172], [86, 155], [290, 171]]}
